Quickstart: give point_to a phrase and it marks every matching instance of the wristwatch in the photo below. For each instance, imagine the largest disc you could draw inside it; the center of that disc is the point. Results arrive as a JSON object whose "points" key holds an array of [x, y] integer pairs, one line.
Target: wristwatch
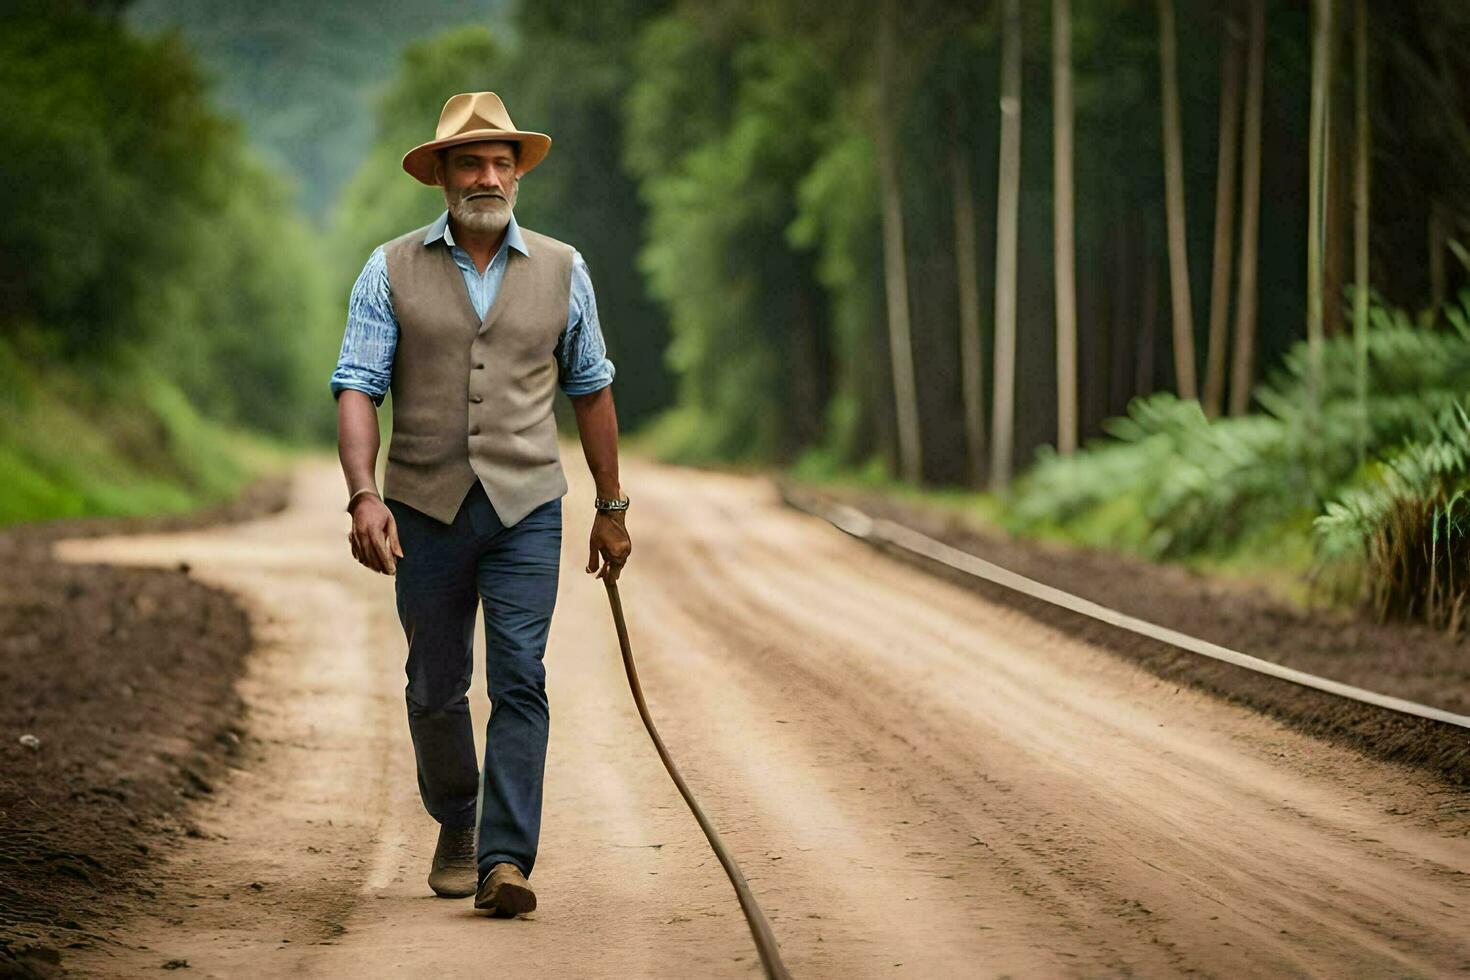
{"points": [[611, 504]]}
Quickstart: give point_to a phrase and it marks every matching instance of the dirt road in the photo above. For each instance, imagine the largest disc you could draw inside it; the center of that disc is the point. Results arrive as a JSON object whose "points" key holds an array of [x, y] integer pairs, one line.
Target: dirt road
{"points": [[917, 783]]}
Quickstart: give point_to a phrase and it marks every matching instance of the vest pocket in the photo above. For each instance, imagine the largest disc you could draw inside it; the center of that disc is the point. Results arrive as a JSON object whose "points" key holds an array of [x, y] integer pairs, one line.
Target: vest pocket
{"points": [[415, 449]]}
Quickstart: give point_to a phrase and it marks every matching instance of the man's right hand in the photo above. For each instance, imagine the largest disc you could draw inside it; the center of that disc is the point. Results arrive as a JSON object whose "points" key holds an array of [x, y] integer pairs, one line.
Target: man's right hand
{"points": [[374, 535]]}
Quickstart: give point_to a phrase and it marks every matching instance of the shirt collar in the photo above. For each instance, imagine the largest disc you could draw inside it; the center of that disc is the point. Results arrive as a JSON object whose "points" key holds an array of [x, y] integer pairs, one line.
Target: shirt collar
{"points": [[440, 229]]}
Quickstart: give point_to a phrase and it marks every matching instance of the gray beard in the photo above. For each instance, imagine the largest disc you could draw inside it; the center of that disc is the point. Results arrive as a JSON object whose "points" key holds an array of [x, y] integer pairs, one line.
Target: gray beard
{"points": [[482, 220]]}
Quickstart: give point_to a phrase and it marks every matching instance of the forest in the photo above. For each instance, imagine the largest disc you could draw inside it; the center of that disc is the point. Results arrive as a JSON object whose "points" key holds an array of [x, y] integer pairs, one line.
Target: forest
{"points": [[1185, 279]]}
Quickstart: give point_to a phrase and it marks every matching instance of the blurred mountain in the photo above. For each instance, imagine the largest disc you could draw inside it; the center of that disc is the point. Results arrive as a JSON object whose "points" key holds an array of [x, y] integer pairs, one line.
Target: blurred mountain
{"points": [[304, 76]]}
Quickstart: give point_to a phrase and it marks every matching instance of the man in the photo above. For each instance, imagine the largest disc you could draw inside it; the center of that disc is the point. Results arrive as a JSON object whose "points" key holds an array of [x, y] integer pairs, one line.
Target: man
{"points": [[471, 322]]}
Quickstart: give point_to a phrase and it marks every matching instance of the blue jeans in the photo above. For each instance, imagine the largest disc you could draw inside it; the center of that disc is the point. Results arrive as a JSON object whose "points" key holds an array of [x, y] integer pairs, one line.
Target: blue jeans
{"points": [[445, 571]]}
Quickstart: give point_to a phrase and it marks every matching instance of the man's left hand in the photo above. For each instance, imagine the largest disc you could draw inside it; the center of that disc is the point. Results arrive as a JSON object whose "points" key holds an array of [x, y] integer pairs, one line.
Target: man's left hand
{"points": [[611, 543]]}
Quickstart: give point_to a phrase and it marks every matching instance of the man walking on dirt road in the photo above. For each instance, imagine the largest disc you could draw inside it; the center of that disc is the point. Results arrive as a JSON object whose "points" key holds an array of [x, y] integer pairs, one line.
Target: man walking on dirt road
{"points": [[472, 322]]}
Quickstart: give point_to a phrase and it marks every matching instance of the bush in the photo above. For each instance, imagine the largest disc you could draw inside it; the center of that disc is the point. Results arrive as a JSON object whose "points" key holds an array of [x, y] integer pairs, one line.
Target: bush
{"points": [[1173, 483], [1408, 527], [138, 224]]}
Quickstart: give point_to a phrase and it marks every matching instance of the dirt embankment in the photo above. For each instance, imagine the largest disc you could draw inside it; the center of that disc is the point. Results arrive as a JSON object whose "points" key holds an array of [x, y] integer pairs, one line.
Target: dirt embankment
{"points": [[119, 708], [1405, 661]]}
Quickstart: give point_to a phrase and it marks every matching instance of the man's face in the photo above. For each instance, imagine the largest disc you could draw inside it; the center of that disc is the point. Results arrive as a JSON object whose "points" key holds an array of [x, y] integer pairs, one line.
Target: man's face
{"points": [[480, 184]]}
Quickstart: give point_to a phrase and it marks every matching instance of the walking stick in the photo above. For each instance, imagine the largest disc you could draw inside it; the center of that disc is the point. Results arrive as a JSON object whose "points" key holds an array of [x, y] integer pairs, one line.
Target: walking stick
{"points": [[760, 929]]}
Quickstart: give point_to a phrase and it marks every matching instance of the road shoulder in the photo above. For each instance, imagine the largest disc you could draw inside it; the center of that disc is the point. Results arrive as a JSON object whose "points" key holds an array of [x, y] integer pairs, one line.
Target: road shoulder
{"points": [[124, 680], [1415, 663]]}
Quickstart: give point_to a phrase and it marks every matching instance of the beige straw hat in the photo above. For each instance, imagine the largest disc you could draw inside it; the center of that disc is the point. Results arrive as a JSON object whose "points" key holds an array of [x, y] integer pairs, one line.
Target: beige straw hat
{"points": [[468, 118]]}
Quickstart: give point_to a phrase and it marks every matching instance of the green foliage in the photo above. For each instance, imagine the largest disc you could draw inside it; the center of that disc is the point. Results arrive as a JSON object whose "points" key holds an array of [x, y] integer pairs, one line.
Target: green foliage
{"points": [[581, 194], [837, 217], [1173, 483], [250, 332], [138, 225], [1409, 525], [717, 255], [158, 292], [681, 99], [75, 442], [101, 142]]}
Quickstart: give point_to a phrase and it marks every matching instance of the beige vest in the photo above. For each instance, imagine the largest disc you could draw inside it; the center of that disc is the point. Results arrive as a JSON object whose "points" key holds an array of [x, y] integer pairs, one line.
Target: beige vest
{"points": [[472, 398]]}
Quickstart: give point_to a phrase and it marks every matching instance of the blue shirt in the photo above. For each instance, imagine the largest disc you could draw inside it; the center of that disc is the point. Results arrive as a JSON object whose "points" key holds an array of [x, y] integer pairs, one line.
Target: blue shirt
{"points": [[365, 363]]}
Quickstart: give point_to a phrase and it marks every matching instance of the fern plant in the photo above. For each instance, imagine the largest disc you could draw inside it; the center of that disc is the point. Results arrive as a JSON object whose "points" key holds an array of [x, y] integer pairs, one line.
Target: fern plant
{"points": [[1410, 527], [1171, 483]]}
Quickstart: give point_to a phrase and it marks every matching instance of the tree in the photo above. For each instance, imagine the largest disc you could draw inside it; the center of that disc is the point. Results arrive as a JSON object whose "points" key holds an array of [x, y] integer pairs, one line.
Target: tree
{"points": [[582, 197], [720, 177], [1361, 216], [1006, 221], [1174, 204], [1321, 119], [895, 264], [1230, 61], [140, 228], [1063, 223], [1242, 368], [972, 368]]}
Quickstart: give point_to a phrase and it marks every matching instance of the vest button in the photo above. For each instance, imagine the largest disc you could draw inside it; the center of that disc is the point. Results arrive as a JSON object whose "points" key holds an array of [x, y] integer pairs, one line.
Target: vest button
{"points": [[474, 430], [476, 399], [479, 366]]}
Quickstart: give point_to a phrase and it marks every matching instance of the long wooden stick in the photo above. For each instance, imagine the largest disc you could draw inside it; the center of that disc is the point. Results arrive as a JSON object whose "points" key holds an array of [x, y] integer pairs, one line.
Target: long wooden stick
{"points": [[760, 929]]}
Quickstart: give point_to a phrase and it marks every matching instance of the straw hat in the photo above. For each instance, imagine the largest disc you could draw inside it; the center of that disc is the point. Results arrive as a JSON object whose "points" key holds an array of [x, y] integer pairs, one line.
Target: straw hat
{"points": [[468, 118]]}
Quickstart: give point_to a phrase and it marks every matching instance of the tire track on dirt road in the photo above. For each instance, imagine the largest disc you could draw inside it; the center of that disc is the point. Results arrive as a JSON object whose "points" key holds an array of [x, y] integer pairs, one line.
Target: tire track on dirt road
{"points": [[917, 782]]}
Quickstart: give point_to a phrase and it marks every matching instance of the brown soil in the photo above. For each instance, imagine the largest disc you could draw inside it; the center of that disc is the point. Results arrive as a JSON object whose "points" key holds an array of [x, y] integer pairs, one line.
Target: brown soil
{"points": [[1406, 661], [918, 781], [126, 676]]}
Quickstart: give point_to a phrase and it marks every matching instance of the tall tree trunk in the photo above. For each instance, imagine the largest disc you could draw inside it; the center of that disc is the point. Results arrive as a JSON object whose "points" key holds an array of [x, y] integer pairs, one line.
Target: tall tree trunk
{"points": [[1006, 215], [1336, 217], [1064, 236], [1230, 72], [972, 367], [1362, 162], [1242, 367], [1174, 203], [895, 262], [1317, 192]]}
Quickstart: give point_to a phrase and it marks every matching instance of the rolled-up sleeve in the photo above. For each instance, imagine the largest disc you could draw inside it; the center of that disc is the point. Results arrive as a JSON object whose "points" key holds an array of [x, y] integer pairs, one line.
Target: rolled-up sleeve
{"points": [[582, 358], [365, 363]]}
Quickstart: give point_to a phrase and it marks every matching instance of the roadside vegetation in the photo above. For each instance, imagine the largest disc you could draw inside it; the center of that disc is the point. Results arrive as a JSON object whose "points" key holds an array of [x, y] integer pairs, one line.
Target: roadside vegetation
{"points": [[1180, 280], [939, 253], [1367, 496], [159, 299]]}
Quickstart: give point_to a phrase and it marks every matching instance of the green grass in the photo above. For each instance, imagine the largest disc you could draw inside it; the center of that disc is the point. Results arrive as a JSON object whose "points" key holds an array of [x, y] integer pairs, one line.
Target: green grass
{"points": [[117, 443]]}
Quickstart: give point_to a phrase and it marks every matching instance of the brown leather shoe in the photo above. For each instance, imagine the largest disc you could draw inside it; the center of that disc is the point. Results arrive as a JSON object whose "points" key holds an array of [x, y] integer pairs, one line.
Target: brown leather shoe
{"points": [[452, 874], [505, 893]]}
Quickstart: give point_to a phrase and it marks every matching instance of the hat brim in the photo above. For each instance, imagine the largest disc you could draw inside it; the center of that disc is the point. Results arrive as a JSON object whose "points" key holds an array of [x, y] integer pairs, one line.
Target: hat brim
{"points": [[418, 162]]}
